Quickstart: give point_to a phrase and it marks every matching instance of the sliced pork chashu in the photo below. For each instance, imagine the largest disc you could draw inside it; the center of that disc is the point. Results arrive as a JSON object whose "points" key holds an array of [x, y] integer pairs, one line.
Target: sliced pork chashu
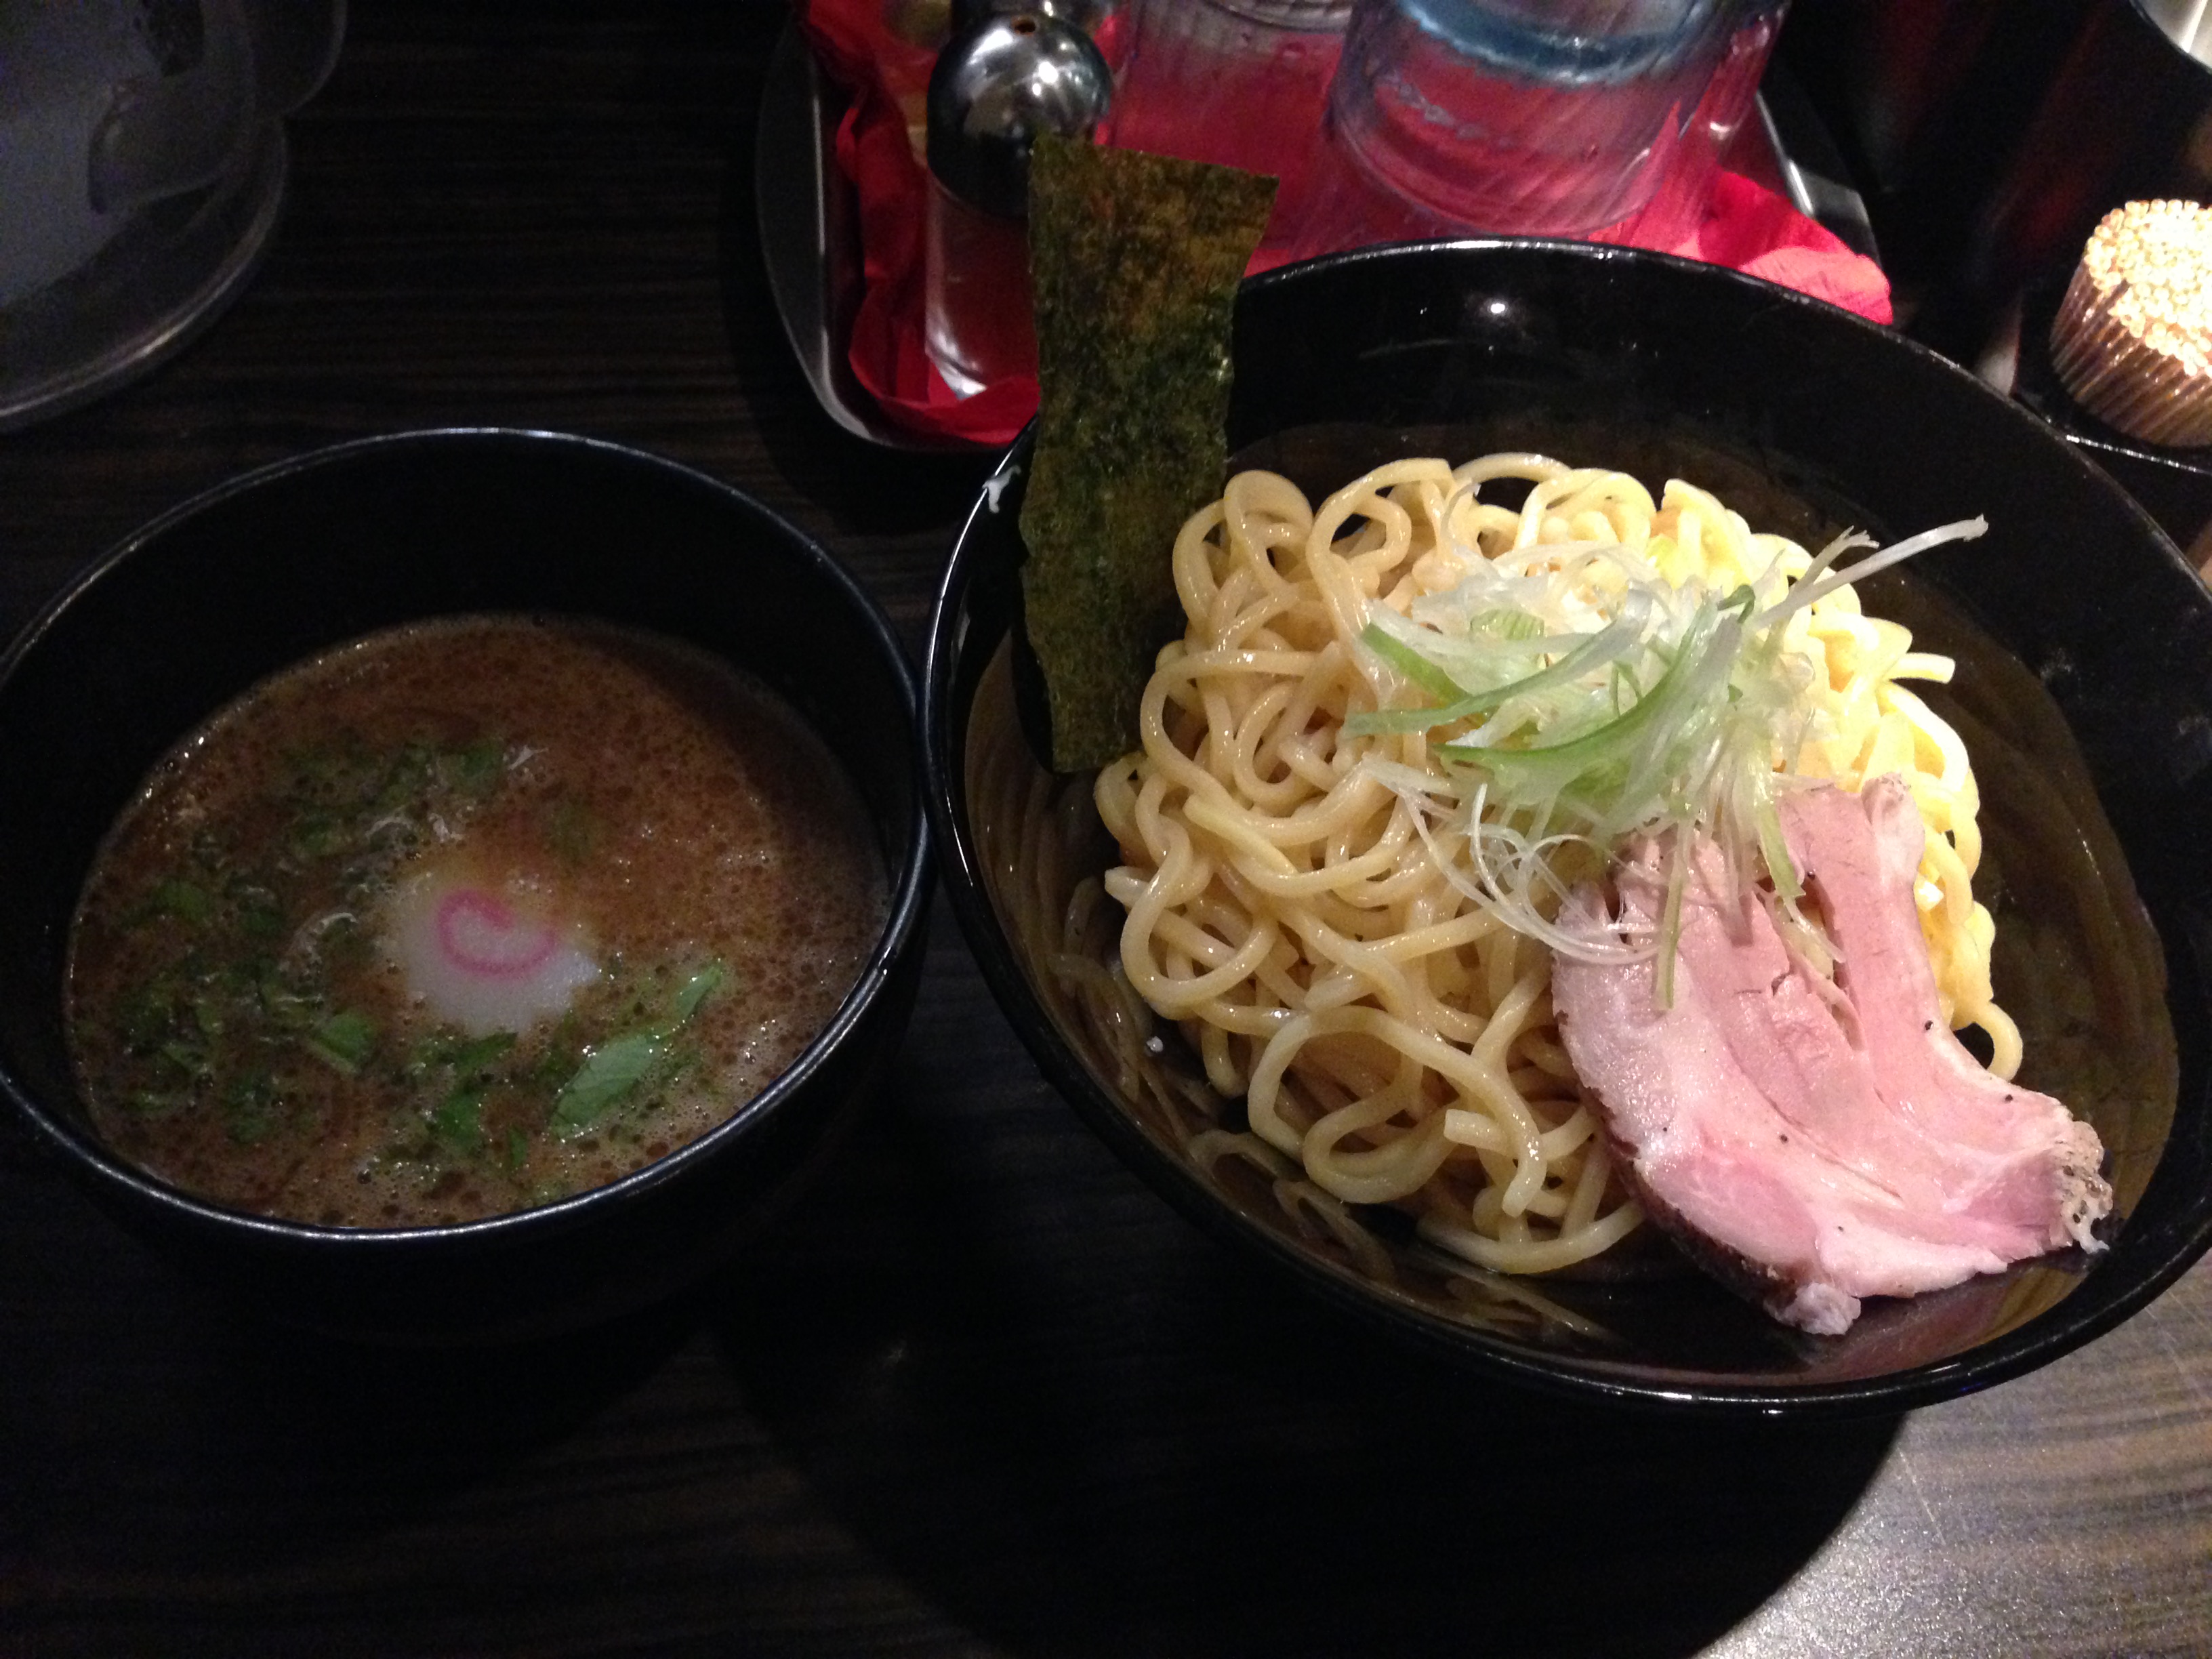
{"points": [[1814, 1143]]}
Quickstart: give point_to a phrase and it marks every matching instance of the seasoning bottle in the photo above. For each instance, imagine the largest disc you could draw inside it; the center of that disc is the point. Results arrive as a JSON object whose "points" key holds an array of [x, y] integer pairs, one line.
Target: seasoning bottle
{"points": [[1238, 83], [996, 86], [1557, 118]]}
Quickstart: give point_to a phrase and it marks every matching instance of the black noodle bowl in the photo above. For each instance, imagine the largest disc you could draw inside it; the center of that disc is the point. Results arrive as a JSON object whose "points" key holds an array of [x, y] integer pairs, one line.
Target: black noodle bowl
{"points": [[2113, 1021], [2077, 964], [276, 565]]}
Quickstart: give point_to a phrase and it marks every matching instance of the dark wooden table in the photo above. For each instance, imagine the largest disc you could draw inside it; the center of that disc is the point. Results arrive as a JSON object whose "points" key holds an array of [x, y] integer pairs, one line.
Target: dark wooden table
{"points": [[986, 1393]]}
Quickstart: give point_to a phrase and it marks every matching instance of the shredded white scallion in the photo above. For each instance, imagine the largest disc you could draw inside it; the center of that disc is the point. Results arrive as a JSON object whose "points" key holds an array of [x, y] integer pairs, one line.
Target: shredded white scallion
{"points": [[1579, 702]]}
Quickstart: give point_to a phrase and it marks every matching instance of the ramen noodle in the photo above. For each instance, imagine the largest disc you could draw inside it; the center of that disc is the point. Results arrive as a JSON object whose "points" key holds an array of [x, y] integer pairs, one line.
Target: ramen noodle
{"points": [[1370, 972]]}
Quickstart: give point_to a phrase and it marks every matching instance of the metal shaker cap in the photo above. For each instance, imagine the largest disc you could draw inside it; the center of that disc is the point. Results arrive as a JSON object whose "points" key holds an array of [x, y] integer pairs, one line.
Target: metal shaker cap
{"points": [[1085, 14], [996, 87]]}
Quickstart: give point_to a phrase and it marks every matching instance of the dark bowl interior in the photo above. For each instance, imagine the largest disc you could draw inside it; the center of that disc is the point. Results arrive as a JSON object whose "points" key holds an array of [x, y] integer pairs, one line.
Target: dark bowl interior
{"points": [[274, 566], [2085, 690]]}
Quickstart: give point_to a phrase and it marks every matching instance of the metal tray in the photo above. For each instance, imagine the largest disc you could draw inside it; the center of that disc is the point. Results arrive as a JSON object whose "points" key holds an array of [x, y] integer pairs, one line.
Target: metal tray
{"points": [[810, 242], [810, 228]]}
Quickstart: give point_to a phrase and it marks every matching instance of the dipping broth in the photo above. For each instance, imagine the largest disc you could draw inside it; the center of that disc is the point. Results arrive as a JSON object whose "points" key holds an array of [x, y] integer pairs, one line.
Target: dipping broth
{"points": [[464, 918]]}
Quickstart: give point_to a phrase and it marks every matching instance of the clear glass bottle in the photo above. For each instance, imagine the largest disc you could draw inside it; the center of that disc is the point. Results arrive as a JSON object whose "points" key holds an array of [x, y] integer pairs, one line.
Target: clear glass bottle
{"points": [[1557, 118], [1686, 182], [996, 86], [1239, 82], [978, 325]]}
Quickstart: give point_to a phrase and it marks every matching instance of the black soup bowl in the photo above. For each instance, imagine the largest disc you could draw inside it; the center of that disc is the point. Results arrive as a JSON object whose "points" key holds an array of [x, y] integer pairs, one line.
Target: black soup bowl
{"points": [[281, 564], [2084, 644]]}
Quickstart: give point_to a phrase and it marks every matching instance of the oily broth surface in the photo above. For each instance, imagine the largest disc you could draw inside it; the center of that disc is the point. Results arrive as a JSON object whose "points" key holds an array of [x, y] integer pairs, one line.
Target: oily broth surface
{"points": [[233, 944]]}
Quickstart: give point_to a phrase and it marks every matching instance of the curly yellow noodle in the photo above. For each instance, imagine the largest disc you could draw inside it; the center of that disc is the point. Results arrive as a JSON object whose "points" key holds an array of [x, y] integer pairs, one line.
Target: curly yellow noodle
{"points": [[1394, 1041]]}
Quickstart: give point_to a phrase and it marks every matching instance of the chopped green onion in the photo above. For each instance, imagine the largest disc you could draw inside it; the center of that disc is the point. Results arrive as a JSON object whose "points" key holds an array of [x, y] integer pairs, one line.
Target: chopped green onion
{"points": [[343, 1041], [469, 1058], [696, 990], [1409, 663], [251, 1112], [481, 764], [184, 900], [1587, 653], [609, 1072], [187, 1058], [457, 1120]]}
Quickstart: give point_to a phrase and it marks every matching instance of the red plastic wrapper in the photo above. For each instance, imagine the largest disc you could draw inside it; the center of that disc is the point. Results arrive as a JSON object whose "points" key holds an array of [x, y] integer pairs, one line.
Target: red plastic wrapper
{"points": [[885, 74]]}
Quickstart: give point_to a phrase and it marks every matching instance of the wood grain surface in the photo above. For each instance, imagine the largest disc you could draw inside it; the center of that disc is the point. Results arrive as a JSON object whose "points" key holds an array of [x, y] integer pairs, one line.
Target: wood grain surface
{"points": [[984, 1393]]}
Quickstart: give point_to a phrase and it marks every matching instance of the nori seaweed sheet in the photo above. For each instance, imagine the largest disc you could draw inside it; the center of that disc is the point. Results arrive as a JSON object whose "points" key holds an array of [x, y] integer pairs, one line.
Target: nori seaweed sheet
{"points": [[1134, 262]]}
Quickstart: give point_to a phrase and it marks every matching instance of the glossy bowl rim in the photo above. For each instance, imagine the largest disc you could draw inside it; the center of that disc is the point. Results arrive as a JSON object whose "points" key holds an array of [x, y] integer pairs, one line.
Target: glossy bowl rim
{"points": [[2040, 1340], [911, 885]]}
